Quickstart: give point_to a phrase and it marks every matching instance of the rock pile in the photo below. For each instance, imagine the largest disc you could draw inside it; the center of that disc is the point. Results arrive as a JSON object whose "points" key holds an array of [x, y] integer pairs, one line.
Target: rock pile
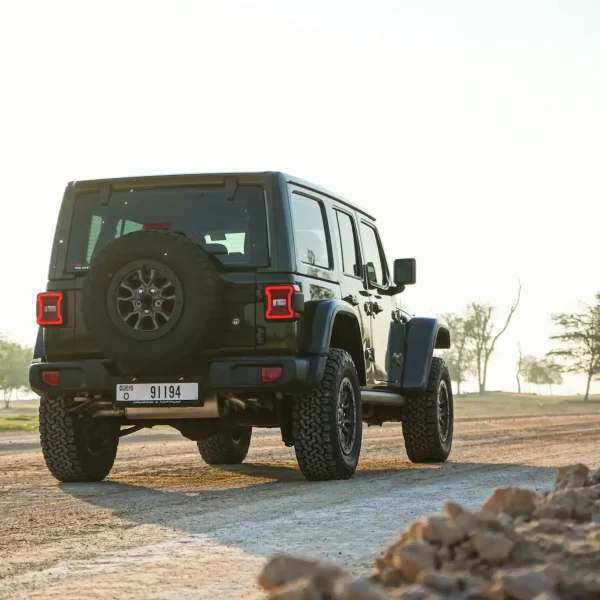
{"points": [[519, 546]]}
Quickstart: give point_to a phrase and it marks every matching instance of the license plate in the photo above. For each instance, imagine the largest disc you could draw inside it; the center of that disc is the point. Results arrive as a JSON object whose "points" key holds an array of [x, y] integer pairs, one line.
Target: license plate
{"points": [[157, 393]]}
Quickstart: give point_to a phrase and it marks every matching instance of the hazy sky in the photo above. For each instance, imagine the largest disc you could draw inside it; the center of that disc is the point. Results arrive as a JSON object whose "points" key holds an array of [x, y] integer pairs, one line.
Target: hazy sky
{"points": [[471, 129]]}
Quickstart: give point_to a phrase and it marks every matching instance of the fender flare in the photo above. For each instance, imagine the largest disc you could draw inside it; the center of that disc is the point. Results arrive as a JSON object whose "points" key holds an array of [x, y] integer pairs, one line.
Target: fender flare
{"points": [[424, 335], [322, 318]]}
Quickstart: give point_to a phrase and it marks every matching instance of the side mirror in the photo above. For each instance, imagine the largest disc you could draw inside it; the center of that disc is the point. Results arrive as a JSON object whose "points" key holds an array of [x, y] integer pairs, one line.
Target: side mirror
{"points": [[405, 271]]}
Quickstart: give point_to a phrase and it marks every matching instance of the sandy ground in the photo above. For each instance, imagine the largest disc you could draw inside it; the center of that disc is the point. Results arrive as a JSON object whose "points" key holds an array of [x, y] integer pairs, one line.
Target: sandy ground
{"points": [[167, 526]]}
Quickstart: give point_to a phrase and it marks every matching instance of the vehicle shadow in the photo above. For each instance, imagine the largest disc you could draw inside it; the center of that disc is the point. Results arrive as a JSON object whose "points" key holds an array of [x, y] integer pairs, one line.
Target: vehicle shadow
{"points": [[263, 508]]}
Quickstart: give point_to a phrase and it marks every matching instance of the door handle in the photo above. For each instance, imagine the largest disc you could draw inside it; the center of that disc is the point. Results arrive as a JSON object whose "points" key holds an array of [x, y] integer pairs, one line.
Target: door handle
{"points": [[368, 308], [351, 299], [376, 308]]}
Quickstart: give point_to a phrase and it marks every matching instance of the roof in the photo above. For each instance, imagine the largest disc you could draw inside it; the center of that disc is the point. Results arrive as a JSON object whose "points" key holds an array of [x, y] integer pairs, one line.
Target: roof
{"points": [[192, 177], [325, 192]]}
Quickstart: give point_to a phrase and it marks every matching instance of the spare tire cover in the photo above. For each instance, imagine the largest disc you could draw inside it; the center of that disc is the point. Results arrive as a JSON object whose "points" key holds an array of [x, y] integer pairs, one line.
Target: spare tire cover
{"points": [[149, 299]]}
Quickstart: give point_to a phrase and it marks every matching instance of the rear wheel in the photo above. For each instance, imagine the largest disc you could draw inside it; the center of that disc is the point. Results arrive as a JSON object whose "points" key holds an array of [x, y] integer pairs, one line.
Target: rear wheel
{"points": [[76, 447], [327, 424], [228, 446], [428, 419]]}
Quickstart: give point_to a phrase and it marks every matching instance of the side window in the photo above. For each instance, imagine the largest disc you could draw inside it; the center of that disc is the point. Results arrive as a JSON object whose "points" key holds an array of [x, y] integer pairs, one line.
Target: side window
{"points": [[374, 260], [350, 255], [124, 227], [95, 227], [309, 229]]}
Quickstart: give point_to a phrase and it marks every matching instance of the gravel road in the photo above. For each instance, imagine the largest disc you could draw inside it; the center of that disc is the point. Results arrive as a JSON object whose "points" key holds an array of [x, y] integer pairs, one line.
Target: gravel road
{"points": [[167, 526]]}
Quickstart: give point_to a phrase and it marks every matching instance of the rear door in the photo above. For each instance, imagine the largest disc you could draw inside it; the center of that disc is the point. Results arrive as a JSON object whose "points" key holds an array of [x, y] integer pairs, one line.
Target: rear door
{"points": [[232, 229], [351, 270]]}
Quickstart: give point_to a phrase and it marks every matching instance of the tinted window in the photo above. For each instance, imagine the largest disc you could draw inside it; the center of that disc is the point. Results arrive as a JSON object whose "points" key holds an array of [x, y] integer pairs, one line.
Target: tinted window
{"points": [[234, 230], [373, 257], [309, 231], [350, 255]]}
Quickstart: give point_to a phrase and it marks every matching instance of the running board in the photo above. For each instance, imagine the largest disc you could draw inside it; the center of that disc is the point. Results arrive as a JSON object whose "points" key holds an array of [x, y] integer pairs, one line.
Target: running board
{"points": [[382, 398]]}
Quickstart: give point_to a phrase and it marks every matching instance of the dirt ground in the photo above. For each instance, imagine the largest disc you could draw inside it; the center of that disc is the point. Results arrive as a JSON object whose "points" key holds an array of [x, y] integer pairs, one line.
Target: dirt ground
{"points": [[165, 525]]}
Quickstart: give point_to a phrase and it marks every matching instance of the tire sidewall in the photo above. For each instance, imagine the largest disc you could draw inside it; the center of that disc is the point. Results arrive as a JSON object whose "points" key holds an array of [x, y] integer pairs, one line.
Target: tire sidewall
{"points": [[446, 445], [350, 460]]}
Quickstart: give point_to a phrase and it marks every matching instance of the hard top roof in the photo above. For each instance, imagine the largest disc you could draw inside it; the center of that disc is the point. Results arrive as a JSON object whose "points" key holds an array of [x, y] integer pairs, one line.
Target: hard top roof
{"points": [[217, 177]]}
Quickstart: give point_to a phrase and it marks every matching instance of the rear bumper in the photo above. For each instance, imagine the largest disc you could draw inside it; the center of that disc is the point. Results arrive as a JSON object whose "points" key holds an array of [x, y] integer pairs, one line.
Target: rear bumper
{"points": [[225, 375]]}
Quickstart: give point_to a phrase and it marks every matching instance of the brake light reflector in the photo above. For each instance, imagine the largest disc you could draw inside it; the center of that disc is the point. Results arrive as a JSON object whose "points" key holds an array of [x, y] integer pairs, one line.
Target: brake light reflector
{"points": [[51, 378], [271, 374], [279, 302], [49, 308], [157, 226]]}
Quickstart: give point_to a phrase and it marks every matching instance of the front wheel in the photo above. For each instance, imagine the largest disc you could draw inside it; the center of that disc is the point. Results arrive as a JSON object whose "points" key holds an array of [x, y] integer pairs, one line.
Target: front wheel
{"points": [[228, 446], [76, 447], [428, 418], [327, 424]]}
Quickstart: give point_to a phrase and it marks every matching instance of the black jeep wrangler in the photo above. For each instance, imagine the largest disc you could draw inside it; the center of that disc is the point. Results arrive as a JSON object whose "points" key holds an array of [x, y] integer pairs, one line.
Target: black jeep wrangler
{"points": [[218, 303]]}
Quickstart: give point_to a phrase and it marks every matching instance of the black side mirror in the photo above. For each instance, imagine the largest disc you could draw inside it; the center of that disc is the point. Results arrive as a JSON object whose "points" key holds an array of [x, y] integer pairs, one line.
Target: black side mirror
{"points": [[405, 271]]}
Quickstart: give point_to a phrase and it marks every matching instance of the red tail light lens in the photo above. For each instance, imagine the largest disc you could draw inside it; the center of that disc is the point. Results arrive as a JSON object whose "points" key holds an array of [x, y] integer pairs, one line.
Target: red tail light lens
{"points": [[279, 302], [271, 374], [51, 378], [49, 309]]}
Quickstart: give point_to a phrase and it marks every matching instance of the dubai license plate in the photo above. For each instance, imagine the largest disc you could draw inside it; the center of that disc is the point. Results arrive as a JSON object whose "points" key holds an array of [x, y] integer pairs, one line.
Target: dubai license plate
{"points": [[157, 393]]}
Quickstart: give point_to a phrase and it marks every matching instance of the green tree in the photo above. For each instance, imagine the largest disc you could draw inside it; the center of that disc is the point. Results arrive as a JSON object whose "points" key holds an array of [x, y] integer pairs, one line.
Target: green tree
{"points": [[481, 329], [14, 368], [460, 358], [579, 341], [552, 372], [541, 371]]}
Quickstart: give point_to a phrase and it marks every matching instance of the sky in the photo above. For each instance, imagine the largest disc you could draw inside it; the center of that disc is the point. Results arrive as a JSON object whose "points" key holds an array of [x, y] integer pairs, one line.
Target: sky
{"points": [[470, 128]]}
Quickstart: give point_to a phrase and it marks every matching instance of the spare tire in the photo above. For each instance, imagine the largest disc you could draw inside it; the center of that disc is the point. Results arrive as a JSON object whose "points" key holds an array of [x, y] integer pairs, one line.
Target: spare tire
{"points": [[149, 299]]}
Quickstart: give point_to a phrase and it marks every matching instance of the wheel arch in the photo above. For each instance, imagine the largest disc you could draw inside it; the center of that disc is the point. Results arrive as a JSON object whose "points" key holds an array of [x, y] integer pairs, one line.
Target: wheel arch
{"points": [[424, 336], [334, 324]]}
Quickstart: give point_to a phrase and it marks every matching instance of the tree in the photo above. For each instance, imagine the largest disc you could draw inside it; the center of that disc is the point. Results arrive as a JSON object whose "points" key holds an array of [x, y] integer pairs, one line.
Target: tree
{"points": [[541, 371], [579, 341], [519, 368], [480, 320], [14, 368], [552, 372], [461, 357]]}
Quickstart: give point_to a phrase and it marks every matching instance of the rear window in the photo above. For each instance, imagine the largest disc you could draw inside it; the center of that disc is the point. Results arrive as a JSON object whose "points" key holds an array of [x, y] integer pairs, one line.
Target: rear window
{"points": [[234, 230]]}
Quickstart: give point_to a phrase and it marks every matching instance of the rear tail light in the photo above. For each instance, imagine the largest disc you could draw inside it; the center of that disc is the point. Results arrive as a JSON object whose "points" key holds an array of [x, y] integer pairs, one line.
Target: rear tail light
{"points": [[271, 374], [50, 309], [51, 378], [283, 302]]}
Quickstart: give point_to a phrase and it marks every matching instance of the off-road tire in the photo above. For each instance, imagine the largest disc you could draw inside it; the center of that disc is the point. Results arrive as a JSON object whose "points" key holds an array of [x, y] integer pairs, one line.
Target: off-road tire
{"points": [[66, 442], [423, 436], [226, 447], [201, 288], [315, 431]]}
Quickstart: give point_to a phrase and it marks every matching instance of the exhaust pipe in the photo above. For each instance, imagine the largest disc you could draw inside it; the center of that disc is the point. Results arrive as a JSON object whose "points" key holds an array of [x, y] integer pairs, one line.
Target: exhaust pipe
{"points": [[212, 409]]}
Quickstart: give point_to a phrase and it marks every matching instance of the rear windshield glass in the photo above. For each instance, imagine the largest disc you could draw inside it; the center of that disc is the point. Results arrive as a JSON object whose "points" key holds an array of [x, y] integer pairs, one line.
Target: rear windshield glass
{"points": [[233, 230]]}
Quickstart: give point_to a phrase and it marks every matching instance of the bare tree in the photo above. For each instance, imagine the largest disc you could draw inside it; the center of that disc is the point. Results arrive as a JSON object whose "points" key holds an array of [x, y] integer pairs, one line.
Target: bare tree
{"points": [[519, 368], [480, 318], [579, 341]]}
